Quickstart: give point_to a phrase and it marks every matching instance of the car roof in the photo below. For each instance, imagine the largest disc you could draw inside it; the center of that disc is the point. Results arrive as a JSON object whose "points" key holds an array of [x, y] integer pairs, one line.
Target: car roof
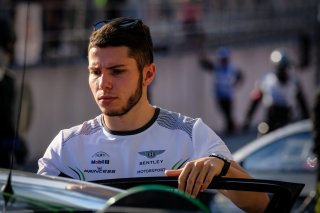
{"points": [[300, 126]]}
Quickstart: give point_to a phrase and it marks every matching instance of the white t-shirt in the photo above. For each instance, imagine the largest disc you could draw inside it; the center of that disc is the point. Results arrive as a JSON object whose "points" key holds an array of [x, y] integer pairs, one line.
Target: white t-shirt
{"points": [[277, 94], [90, 152]]}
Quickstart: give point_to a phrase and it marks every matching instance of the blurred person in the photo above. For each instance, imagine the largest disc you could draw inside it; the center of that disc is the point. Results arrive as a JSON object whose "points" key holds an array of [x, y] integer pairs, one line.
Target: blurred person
{"points": [[191, 14], [8, 95], [226, 77], [54, 16], [132, 138], [190, 19], [316, 140], [166, 10], [279, 91], [114, 8]]}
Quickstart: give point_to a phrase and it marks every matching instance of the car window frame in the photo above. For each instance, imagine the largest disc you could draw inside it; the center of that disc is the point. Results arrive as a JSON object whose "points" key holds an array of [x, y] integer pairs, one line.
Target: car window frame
{"points": [[284, 193]]}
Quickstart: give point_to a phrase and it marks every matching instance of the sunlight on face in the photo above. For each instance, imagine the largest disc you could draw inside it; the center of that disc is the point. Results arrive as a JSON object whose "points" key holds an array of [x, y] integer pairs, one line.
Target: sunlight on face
{"points": [[114, 79]]}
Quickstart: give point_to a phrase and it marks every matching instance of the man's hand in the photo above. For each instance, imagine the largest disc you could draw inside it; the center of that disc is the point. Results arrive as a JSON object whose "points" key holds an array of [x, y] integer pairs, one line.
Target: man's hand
{"points": [[196, 175]]}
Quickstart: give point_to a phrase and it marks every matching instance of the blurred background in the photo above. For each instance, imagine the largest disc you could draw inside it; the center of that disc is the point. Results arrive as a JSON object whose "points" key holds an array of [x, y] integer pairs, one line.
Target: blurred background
{"points": [[51, 48]]}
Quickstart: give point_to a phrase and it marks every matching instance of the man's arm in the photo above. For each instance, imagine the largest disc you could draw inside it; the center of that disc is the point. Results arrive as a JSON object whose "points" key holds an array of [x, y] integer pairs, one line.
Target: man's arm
{"points": [[247, 201], [239, 77], [302, 102], [50, 162], [196, 176], [255, 98], [206, 63]]}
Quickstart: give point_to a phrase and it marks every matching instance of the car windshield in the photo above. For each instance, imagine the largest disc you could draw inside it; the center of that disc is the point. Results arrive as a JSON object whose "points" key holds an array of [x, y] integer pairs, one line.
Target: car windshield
{"points": [[55, 192], [287, 154]]}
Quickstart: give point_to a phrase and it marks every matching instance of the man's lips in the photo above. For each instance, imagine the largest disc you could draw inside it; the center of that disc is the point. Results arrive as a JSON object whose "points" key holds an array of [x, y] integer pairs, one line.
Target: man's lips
{"points": [[106, 99]]}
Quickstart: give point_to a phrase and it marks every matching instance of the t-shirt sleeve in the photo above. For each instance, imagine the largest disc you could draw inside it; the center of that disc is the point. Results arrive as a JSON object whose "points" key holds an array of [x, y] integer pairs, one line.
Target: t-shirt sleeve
{"points": [[206, 141], [50, 162]]}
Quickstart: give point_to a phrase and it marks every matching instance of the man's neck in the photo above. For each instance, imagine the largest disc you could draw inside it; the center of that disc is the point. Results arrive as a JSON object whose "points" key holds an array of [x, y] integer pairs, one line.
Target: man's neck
{"points": [[136, 118]]}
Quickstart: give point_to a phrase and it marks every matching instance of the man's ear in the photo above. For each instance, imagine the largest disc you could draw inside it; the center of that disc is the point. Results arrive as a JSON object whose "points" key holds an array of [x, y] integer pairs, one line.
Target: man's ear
{"points": [[149, 74]]}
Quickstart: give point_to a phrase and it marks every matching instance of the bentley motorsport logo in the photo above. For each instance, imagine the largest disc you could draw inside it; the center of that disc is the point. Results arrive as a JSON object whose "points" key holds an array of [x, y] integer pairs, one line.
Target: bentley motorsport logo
{"points": [[151, 153]]}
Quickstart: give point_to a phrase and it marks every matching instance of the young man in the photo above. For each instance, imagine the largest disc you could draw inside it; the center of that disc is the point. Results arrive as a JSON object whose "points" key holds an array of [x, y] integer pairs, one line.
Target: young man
{"points": [[132, 138]]}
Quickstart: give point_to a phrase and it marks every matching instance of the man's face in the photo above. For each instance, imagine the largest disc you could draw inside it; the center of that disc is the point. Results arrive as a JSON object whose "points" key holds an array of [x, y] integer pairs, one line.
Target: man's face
{"points": [[114, 79]]}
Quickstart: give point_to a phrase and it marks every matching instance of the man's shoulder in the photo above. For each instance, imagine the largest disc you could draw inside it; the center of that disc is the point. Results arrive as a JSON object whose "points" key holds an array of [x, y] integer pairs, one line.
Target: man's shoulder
{"points": [[86, 128], [175, 116], [176, 121]]}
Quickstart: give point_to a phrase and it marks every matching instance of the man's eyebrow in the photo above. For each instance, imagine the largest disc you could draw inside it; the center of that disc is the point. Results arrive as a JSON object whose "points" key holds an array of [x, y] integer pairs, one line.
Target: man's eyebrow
{"points": [[110, 67], [116, 66], [92, 67]]}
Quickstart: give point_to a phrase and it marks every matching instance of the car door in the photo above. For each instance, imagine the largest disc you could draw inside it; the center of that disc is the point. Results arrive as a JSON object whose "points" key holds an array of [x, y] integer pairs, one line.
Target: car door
{"points": [[282, 194]]}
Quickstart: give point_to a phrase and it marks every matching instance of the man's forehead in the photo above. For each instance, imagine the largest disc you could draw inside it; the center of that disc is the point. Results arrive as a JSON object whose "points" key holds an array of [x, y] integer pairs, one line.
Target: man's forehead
{"points": [[110, 49], [109, 56], [109, 53]]}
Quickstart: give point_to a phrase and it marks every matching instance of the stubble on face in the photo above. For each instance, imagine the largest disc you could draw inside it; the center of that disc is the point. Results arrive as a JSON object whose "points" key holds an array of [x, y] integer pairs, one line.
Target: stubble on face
{"points": [[131, 102]]}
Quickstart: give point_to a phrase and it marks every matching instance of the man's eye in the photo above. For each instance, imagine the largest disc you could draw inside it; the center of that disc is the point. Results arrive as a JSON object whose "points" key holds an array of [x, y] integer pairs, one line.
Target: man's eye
{"points": [[95, 72], [117, 72]]}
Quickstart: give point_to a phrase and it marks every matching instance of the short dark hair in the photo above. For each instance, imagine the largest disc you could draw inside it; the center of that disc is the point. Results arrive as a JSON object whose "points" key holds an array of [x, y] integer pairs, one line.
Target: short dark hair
{"points": [[117, 32]]}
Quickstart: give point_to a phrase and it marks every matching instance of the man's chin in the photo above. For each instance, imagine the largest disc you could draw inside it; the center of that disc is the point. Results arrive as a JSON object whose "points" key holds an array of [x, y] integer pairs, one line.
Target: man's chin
{"points": [[114, 113]]}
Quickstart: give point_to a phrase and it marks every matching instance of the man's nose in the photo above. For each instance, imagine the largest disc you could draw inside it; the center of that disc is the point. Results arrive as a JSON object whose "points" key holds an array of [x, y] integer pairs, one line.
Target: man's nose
{"points": [[105, 81]]}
